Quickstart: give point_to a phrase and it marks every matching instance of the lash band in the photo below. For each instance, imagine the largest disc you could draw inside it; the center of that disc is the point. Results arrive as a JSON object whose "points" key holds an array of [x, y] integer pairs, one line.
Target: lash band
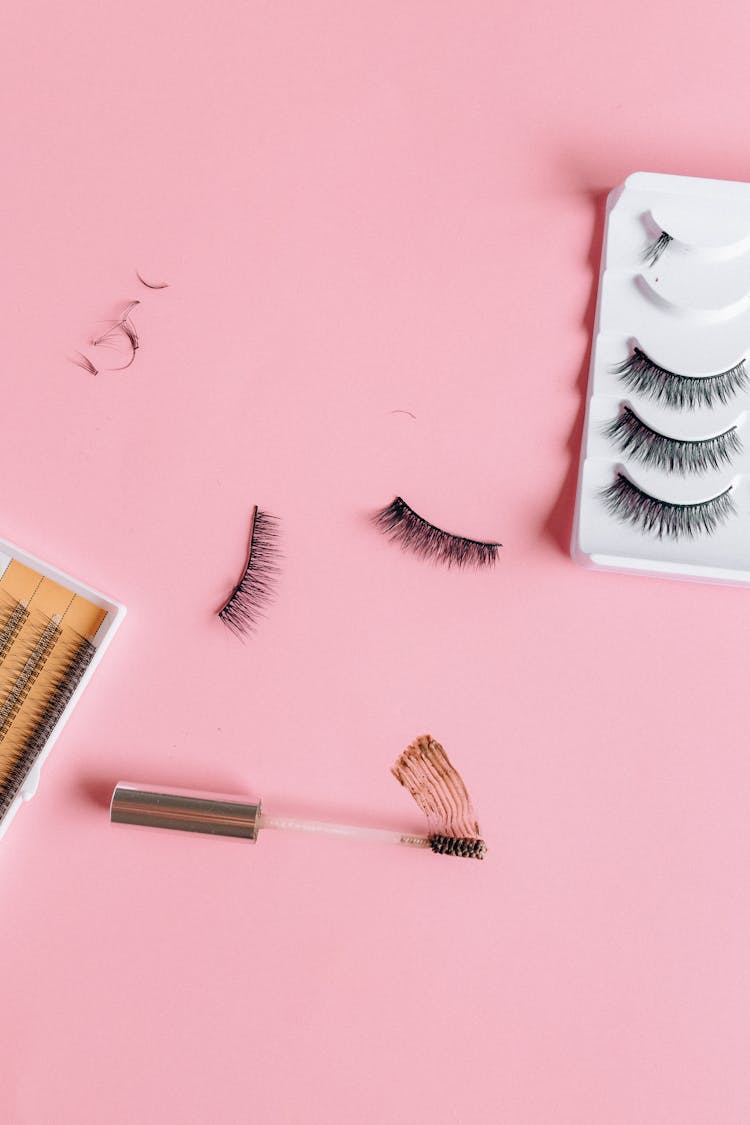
{"points": [[642, 376], [630, 504], [639, 442], [401, 524]]}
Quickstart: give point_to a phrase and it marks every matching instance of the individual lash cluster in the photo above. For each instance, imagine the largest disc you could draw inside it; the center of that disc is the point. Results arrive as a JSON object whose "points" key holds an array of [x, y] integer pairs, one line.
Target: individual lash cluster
{"points": [[40, 668]]}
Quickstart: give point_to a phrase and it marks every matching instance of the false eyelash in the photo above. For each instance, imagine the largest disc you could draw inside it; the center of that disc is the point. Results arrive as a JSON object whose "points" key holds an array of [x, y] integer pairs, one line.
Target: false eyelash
{"points": [[637, 440], [630, 504], [152, 284], [680, 392], [125, 326], [117, 325], [403, 526], [655, 249], [247, 601], [84, 362]]}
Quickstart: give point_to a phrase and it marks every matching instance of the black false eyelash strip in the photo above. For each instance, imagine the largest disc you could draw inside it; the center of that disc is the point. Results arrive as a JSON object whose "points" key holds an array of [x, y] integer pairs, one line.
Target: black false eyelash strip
{"points": [[413, 533], [648, 447], [641, 375], [630, 504], [246, 604], [655, 249]]}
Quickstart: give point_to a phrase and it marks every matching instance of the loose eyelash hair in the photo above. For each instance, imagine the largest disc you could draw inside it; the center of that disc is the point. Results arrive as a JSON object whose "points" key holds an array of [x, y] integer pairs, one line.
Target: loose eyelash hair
{"points": [[152, 284], [638, 441], [245, 605], [681, 392], [402, 525], [655, 249], [630, 504]]}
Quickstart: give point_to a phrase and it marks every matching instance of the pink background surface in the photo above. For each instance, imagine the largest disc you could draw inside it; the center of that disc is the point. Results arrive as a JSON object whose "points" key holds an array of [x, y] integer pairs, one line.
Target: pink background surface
{"points": [[361, 208]]}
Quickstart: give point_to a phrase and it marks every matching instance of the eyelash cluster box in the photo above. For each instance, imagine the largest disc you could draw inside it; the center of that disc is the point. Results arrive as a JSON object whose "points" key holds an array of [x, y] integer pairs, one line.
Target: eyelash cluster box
{"points": [[685, 307], [53, 633]]}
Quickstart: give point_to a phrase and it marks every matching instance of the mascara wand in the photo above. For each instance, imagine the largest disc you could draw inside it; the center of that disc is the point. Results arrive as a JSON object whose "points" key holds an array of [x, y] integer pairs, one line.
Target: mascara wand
{"points": [[423, 768]]}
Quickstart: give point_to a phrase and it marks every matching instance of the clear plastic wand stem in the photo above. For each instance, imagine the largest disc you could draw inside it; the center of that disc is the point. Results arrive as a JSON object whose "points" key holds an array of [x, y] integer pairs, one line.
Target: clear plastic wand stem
{"points": [[323, 827]]}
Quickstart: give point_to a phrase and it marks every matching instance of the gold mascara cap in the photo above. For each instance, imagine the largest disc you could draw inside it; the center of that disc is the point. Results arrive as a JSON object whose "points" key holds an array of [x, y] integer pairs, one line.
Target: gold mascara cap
{"points": [[184, 810]]}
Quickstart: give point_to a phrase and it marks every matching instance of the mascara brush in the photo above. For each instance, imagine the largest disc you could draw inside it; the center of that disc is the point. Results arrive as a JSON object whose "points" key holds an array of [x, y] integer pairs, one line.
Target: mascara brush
{"points": [[423, 768]]}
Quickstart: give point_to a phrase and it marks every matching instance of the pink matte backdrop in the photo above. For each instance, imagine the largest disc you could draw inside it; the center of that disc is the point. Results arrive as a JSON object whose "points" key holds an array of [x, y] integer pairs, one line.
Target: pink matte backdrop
{"points": [[361, 208]]}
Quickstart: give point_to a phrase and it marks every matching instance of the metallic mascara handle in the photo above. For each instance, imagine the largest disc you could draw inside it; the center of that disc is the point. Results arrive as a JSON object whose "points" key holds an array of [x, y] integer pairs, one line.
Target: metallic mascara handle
{"points": [[184, 810]]}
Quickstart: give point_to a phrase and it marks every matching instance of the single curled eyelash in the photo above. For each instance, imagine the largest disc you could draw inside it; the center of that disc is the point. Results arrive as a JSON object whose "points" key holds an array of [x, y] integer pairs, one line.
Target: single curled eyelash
{"points": [[403, 526], [648, 447], [655, 249], [630, 504], [152, 284], [245, 605], [680, 392]]}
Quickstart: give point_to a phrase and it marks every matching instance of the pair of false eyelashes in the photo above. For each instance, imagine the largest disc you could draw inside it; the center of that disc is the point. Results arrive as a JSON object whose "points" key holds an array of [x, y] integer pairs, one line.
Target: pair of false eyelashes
{"points": [[247, 602], [640, 443]]}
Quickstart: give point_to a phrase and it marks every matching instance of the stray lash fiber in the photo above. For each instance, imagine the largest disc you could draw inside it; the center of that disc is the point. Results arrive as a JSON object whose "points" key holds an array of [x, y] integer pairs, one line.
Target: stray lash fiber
{"points": [[403, 526], [128, 329], [638, 441], [655, 249], [642, 376], [245, 605], [630, 504], [152, 284]]}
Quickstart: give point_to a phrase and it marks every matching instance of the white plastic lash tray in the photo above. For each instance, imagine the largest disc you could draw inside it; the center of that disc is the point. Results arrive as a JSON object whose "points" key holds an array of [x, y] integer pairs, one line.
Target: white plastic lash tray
{"points": [[669, 493]]}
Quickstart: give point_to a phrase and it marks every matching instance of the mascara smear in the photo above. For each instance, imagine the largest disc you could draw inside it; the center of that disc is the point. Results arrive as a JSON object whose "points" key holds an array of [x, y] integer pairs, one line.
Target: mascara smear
{"points": [[423, 769]]}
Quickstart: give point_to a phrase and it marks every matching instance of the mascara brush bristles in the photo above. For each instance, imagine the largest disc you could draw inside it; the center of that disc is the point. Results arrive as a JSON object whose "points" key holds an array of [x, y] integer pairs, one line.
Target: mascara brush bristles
{"points": [[247, 602], [83, 361], [425, 770]]}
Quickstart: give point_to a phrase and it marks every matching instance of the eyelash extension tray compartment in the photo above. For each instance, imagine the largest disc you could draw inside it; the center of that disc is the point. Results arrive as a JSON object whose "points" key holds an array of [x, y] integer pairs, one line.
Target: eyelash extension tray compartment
{"points": [[53, 633], [667, 491]]}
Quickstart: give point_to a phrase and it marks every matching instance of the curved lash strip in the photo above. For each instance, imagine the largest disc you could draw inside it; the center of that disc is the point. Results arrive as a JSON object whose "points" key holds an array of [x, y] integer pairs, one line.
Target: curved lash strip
{"points": [[655, 249], [630, 504], [246, 604], [402, 525], [681, 392], [648, 447]]}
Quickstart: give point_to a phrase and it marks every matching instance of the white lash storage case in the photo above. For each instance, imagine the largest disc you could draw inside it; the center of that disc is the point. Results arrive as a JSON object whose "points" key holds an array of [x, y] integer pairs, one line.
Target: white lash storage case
{"points": [[670, 360]]}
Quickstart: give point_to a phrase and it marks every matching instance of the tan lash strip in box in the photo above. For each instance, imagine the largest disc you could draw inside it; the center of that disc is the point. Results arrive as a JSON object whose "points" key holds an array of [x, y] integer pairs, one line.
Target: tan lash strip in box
{"points": [[53, 632]]}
